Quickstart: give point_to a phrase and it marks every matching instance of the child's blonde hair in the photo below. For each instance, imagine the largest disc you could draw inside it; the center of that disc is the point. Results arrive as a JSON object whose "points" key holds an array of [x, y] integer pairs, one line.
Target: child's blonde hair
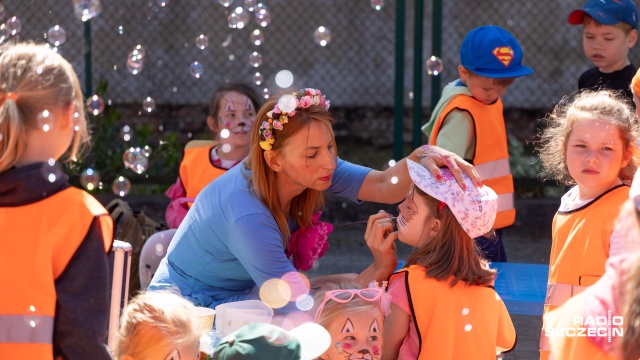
{"points": [[155, 323], [604, 105], [452, 252], [34, 78], [334, 310], [588, 20]]}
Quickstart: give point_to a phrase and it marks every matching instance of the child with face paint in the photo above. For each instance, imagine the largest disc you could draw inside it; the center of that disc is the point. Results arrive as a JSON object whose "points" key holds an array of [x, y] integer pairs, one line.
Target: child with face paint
{"points": [[443, 303], [354, 318], [232, 112]]}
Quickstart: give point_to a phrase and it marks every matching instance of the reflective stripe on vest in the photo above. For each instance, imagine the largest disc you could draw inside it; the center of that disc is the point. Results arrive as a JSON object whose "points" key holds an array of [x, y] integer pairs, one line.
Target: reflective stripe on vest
{"points": [[558, 294], [505, 202], [494, 169], [31, 329]]}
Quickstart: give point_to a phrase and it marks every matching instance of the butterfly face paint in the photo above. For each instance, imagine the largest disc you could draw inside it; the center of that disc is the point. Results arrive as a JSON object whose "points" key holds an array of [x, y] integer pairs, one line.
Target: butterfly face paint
{"points": [[358, 336], [412, 216]]}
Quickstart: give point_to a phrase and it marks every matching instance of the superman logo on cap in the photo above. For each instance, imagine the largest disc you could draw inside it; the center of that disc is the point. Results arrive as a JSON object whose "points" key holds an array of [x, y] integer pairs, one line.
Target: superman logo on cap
{"points": [[504, 54]]}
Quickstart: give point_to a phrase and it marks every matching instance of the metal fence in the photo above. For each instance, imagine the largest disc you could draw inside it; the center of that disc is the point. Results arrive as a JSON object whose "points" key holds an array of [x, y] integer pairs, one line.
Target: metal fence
{"points": [[356, 67]]}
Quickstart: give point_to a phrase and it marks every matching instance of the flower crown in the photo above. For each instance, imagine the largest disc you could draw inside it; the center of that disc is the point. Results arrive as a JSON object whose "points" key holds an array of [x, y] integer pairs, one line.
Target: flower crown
{"points": [[286, 108]]}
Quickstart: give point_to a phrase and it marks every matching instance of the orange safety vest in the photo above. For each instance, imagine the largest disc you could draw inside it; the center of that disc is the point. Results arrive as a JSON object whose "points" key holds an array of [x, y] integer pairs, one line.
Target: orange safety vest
{"points": [[491, 157], [460, 322], [195, 174], [38, 241], [580, 248]]}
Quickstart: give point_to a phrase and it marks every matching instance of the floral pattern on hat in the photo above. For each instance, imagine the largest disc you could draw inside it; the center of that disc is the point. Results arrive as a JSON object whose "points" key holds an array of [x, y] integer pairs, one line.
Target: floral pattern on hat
{"points": [[475, 208]]}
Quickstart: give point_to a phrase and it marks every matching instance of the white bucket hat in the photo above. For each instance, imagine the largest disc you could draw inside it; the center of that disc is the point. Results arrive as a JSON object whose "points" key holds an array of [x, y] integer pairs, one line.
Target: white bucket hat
{"points": [[475, 208]]}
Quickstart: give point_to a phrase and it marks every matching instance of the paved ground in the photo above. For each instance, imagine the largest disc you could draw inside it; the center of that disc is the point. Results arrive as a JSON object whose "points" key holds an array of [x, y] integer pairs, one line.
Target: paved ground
{"points": [[349, 253]]}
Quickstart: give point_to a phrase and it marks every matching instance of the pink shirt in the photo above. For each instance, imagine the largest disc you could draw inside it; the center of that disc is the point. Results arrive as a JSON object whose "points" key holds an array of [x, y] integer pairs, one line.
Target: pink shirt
{"points": [[411, 344]]}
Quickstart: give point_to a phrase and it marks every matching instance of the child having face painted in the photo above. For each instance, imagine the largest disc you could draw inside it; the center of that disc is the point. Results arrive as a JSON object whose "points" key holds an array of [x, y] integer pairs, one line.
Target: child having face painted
{"points": [[443, 303], [232, 112], [354, 318]]}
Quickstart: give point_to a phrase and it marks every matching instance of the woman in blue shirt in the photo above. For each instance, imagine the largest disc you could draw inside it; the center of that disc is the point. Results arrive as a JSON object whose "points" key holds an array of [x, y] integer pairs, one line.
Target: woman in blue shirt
{"points": [[234, 237]]}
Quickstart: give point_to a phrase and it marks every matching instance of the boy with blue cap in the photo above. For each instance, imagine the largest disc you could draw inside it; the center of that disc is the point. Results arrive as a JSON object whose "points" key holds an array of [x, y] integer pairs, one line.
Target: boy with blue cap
{"points": [[610, 29], [468, 120]]}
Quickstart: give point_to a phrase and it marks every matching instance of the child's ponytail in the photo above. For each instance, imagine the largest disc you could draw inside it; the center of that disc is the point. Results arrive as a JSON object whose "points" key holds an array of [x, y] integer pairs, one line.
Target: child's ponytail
{"points": [[12, 131]]}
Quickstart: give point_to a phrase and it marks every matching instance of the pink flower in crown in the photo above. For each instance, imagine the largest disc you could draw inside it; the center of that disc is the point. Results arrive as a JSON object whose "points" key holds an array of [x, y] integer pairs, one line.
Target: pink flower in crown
{"points": [[305, 102], [322, 102], [277, 125], [276, 109], [316, 100], [312, 92], [307, 245], [291, 113], [327, 104], [265, 125]]}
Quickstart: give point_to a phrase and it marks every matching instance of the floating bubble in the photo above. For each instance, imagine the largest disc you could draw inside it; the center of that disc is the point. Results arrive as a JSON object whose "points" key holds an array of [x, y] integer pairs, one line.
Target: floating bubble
{"points": [[163, 3], [140, 163], [120, 30], [4, 34], [126, 133], [146, 150], [89, 179], [202, 42], [148, 104], [238, 18], [322, 36], [33, 317], [410, 95], [265, 93], [275, 293], [377, 4], [139, 51], [13, 26], [392, 163], [262, 15], [95, 105], [298, 283], [56, 36], [196, 69], [225, 3], [224, 133], [255, 59], [121, 186], [51, 170], [258, 78], [284, 79], [3, 11], [226, 148], [86, 9], [304, 302], [394, 180], [250, 4], [256, 37], [135, 62], [434, 66], [45, 120]]}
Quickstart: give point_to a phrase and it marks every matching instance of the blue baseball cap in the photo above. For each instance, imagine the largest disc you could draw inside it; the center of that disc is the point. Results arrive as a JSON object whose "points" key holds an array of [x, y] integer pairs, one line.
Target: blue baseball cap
{"points": [[607, 12], [492, 52]]}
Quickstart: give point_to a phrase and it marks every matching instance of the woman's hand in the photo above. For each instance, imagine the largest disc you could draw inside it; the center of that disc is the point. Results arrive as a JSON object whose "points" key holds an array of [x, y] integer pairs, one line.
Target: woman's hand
{"points": [[380, 237], [433, 157]]}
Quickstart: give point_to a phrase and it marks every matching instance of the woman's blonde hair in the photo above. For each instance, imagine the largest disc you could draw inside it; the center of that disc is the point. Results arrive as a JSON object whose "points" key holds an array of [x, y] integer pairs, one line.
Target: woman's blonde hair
{"points": [[604, 105], [263, 180], [33, 78], [155, 323], [452, 253]]}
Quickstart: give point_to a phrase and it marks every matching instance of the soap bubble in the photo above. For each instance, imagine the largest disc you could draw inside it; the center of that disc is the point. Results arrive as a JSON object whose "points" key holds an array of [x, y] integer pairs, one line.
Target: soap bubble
{"points": [[322, 36], [135, 159], [86, 9], [284, 79], [256, 37], [121, 186], [250, 4], [238, 18], [377, 4], [126, 133], [148, 104], [202, 41], [51, 170], [258, 78], [45, 120], [95, 105], [13, 26], [163, 3], [225, 3], [434, 66], [56, 36], [262, 15], [255, 59], [89, 179], [196, 69]]}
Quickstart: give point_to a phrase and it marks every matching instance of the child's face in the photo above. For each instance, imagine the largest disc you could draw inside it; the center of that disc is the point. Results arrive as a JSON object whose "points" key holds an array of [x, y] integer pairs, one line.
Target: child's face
{"points": [[415, 220], [236, 115], [356, 336], [482, 88], [607, 46], [594, 155]]}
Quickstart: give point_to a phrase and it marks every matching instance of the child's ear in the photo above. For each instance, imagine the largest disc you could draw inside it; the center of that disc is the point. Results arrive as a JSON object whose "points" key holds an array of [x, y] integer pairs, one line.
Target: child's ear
{"points": [[463, 73], [271, 157], [632, 38], [435, 227], [67, 117], [211, 123]]}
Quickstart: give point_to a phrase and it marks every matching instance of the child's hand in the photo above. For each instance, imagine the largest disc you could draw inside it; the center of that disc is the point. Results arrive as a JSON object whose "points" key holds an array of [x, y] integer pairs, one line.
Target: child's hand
{"points": [[380, 237]]}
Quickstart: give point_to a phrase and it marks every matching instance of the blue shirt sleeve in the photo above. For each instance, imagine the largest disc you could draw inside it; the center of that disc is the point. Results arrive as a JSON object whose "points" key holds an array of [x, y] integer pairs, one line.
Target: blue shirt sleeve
{"points": [[347, 180]]}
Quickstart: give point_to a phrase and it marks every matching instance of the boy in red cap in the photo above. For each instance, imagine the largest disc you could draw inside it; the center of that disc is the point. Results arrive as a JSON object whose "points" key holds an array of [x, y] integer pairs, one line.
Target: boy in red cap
{"points": [[468, 120], [610, 29]]}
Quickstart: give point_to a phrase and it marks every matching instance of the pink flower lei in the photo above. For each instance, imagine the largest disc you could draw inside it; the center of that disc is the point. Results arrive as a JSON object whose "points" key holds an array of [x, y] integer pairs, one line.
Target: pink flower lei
{"points": [[308, 244], [286, 108]]}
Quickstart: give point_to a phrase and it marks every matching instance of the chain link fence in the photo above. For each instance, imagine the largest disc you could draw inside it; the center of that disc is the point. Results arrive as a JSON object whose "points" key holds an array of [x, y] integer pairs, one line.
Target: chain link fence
{"points": [[356, 67]]}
